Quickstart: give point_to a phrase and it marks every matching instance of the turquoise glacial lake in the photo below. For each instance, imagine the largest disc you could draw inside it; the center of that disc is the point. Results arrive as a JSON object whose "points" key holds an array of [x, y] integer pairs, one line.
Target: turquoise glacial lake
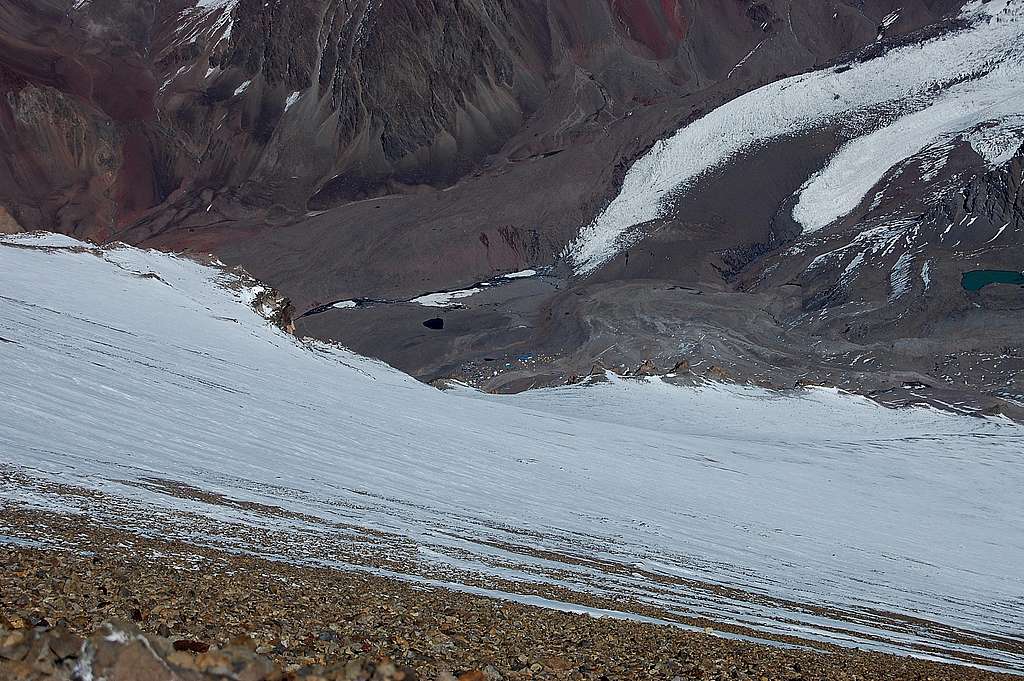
{"points": [[979, 279]]}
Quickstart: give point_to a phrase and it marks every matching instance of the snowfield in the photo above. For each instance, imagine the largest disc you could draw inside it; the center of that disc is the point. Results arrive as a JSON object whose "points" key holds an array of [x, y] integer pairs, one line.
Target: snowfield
{"points": [[134, 375], [966, 84]]}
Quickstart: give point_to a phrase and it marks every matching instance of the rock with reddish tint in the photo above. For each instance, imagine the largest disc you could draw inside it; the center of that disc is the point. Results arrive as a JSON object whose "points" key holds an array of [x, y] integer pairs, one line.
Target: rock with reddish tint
{"points": [[647, 368], [191, 646], [120, 651]]}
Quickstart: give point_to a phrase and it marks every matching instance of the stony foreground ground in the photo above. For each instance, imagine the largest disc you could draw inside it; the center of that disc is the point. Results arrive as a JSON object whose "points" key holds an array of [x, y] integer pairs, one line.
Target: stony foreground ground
{"points": [[100, 603]]}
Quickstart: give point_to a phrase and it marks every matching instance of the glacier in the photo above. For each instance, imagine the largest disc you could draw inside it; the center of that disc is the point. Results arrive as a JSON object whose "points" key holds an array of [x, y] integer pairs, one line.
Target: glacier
{"points": [[966, 83], [127, 376]]}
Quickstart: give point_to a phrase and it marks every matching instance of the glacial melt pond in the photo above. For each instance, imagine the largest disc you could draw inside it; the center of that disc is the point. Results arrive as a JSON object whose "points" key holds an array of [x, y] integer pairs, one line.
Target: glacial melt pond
{"points": [[979, 279]]}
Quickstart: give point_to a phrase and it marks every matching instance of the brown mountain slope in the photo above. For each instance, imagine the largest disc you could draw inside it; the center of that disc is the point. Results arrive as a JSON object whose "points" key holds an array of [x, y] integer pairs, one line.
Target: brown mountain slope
{"points": [[124, 118]]}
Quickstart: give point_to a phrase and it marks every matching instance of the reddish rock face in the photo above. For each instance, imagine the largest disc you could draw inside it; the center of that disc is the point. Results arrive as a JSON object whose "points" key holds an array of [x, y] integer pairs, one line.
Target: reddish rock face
{"points": [[161, 101], [660, 26], [78, 97], [93, 53]]}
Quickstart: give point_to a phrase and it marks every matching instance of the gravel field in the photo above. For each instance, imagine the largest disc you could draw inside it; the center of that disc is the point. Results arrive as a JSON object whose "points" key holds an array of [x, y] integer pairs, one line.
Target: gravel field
{"points": [[211, 614]]}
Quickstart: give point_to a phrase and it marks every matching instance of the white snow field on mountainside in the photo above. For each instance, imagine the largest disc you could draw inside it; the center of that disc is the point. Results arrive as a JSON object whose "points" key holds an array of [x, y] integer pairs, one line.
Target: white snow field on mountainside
{"points": [[127, 376], [968, 83]]}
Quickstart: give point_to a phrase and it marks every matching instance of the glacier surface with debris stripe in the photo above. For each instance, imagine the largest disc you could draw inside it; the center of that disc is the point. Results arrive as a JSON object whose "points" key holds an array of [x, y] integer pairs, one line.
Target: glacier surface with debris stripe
{"points": [[840, 520], [969, 82]]}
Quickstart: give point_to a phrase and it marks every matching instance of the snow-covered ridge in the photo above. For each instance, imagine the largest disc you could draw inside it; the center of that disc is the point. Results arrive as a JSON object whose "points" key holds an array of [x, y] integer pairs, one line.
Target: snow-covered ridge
{"points": [[121, 367], [968, 80]]}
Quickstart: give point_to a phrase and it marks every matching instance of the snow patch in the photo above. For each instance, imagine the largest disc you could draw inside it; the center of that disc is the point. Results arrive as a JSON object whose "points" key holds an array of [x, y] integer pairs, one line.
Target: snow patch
{"points": [[743, 61], [849, 273], [998, 143], [292, 99], [524, 274], [889, 20], [880, 239], [445, 298], [900, 276], [999, 233]]}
